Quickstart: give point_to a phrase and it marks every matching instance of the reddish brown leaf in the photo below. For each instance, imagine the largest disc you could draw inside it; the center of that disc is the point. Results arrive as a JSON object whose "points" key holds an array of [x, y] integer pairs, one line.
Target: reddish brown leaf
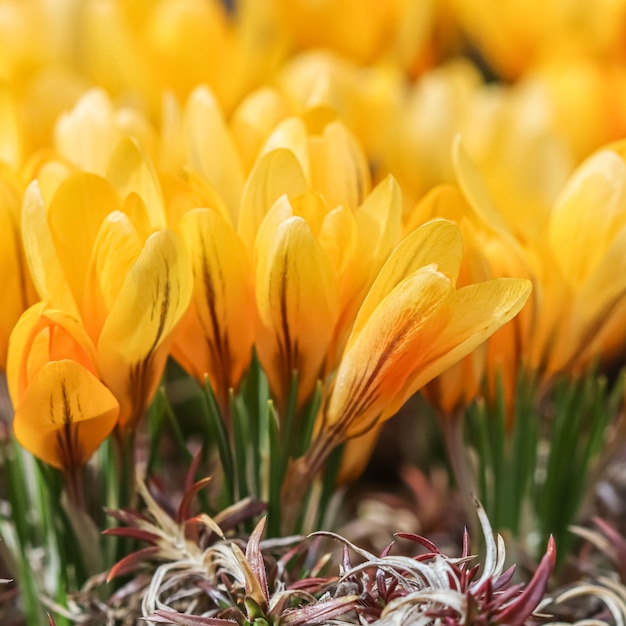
{"points": [[133, 533], [132, 561], [319, 612], [426, 543], [518, 611], [184, 510], [239, 512], [617, 553], [254, 556], [131, 518], [171, 617], [193, 469]]}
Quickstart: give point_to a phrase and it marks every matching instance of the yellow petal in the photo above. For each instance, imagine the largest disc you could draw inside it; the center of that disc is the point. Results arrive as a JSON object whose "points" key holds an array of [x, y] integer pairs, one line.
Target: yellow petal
{"points": [[152, 300], [17, 289], [291, 134], [43, 334], [115, 250], [123, 68], [582, 326], [19, 344], [380, 357], [210, 194], [275, 174], [378, 223], [475, 312], [43, 262], [312, 208], [10, 140], [297, 299], [379, 220], [456, 387], [588, 214], [65, 414], [182, 194], [179, 34], [437, 243], [50, 169], [474, 189], [135, 208], [338, 237], [217, 334], [255, 118], [608, 340], [339, 169], [607, 285], [87, 134], [210, 148], [130, 170], [76, 213], [279, 213], [171, 151], [356, 455], [443, 201]]}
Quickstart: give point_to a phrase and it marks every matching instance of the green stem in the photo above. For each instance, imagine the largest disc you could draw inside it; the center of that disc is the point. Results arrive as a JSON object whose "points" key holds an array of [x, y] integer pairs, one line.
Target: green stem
{"points": [[126, 468], [74, 487]]}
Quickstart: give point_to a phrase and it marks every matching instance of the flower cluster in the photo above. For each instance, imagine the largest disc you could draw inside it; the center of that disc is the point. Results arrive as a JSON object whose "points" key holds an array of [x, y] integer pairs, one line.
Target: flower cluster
{"points": [[144, 243], [314, 210]]}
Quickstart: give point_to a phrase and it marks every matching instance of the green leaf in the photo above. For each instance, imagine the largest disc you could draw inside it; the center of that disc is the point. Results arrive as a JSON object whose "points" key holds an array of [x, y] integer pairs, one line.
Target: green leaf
{"points": [[220, 436]]}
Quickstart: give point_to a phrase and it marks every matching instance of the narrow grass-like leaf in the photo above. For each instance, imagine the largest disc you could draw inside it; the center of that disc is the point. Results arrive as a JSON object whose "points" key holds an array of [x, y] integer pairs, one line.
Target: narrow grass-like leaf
{"points": [[308, 419], [253, 401], [172, 421], [277, 472], [241, 445], [220, 436]]}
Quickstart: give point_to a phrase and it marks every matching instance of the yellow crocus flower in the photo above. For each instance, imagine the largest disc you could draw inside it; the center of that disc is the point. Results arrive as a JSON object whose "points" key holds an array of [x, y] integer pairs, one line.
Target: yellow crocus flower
{"points": [[217, 333], [412, 326], [62, 410], [455, 388], [433, 110], [98, 259], [332, 161], [508, 255], [197, 144], [297, 298], [323, 80], [518, 135], [88, 134], [209, 148], [575, 263], [583, 283], [307, 301]]}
